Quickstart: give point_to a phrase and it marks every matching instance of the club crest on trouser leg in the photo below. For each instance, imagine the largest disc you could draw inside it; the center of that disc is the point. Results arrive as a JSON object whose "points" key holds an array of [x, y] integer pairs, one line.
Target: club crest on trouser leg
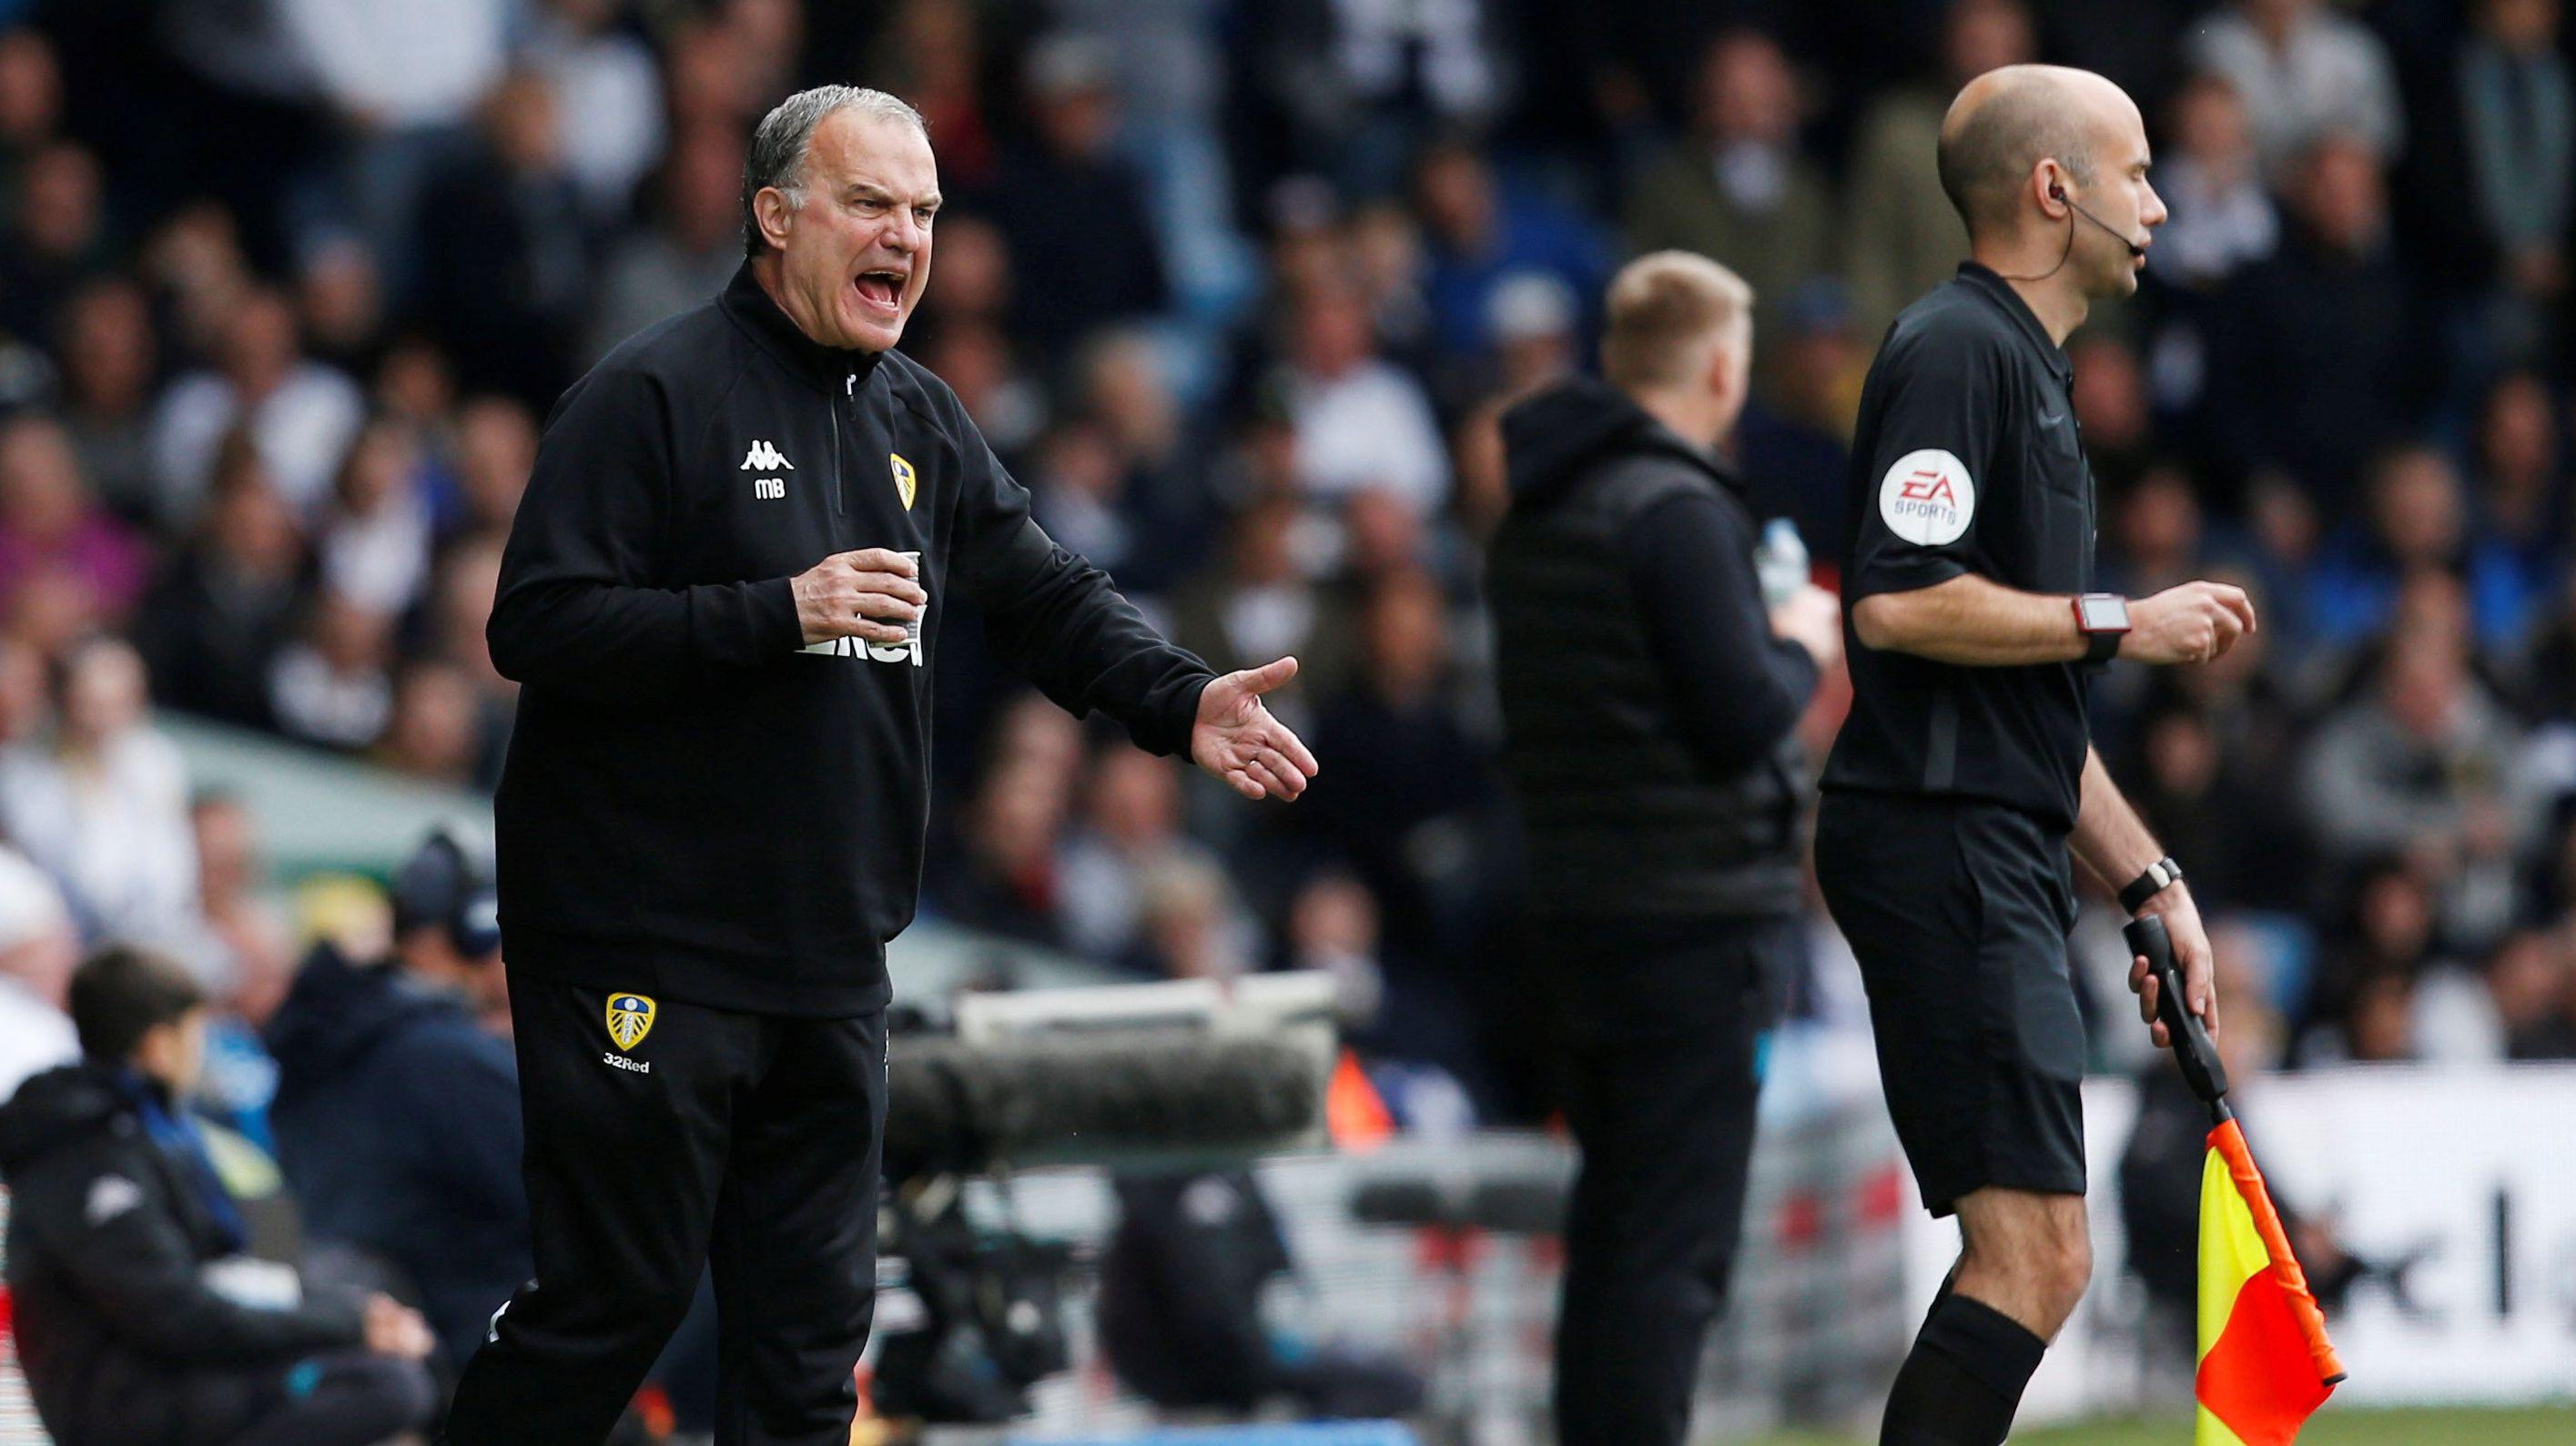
{"points": [[630, 1018]]}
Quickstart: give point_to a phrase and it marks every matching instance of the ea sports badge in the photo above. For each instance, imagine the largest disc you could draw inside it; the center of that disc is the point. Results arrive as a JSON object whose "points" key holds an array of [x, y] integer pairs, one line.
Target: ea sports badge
{"points": [[1928, 498], [630, 1018]]}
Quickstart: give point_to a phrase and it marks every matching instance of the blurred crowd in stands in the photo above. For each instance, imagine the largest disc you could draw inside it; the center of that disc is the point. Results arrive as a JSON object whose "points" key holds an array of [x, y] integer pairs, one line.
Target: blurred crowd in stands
{"points": [[1239, 291]]}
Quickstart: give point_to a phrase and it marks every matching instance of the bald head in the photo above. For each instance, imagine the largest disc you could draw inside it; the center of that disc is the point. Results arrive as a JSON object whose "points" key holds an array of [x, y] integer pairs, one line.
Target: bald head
{"points": [[2007, 120]]}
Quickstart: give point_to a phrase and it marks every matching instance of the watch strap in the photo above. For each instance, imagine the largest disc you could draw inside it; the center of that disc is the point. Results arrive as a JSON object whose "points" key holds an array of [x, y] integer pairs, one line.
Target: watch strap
{"points": [[2101, 644], [2160, 875]]}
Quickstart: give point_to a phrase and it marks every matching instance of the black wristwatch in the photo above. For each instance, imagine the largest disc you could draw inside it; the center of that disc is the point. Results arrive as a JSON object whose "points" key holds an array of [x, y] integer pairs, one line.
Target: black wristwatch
{"points": [[2146, 886], [2103, 619]]}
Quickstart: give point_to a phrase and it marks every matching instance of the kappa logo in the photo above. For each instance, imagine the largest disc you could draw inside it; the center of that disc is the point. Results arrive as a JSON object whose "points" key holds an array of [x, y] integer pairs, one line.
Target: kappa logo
{"points": [[630, 1018], [906, 481], [1928, 498], [765, 458]]}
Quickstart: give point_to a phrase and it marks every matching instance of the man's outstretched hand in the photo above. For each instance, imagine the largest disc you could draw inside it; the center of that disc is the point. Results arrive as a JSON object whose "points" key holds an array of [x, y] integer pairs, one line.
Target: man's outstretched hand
{"points": [[1236, 739]]}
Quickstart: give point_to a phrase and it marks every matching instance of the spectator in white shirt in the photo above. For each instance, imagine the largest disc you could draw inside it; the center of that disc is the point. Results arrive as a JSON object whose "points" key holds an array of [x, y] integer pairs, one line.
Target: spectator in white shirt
{"points": [[2302, 70], [333, 685], [399, 64], [102, 804], [402, 76], [2222, 217], [299, 413], [38, 949], [1131, 823], [375, 535], [609, 94], [1360, 422]]}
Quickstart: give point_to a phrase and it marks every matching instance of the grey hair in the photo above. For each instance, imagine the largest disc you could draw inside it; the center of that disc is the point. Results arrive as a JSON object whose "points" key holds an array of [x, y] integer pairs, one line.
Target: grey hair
{"points": [[785, 135]]}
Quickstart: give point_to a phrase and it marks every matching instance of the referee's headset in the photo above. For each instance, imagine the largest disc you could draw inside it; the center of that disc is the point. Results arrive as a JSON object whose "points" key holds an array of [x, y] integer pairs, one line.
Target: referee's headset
{"points": [[2057, 192]]}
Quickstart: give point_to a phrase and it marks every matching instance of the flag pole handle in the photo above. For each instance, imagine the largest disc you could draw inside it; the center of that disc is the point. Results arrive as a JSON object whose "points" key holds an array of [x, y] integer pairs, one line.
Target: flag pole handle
{"points": [[2192, 1050]]}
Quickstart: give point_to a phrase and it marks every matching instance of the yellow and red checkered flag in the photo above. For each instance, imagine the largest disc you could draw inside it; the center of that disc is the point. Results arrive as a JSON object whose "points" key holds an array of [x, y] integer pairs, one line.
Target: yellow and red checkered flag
{"points": [[2265, 1364]]}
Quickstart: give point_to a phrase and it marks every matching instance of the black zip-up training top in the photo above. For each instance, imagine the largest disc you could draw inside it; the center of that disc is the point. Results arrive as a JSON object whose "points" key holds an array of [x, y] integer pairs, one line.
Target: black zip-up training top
{"points": [[694, 802]]}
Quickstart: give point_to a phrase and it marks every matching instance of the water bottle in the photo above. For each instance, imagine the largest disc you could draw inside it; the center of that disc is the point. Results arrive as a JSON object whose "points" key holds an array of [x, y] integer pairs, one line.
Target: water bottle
{"points": [[1781, 561]]}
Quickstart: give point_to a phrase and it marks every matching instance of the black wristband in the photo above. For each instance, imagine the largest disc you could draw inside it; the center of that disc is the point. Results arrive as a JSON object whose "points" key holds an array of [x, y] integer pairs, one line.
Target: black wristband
{"points": [[2146, 886], [2100, 648]]}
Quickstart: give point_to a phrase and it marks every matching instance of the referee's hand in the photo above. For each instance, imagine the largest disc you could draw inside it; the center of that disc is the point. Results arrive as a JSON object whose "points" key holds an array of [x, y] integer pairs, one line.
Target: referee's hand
{"points": [[868, 594], [2191, 953], [2192, 623]]}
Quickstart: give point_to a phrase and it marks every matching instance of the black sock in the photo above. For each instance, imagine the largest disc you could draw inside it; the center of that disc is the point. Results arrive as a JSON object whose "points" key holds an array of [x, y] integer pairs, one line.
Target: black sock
{"points": [[1964, 1379]]}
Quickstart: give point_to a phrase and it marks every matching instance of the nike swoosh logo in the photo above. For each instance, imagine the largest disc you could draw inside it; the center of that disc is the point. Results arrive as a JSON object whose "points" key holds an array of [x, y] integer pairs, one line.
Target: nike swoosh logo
{"points": [[2046, 420]]}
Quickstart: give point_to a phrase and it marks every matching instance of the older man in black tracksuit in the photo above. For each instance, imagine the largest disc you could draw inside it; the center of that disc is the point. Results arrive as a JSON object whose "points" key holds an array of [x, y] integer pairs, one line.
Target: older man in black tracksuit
{"points": [[1650, 699], [723, 593]]}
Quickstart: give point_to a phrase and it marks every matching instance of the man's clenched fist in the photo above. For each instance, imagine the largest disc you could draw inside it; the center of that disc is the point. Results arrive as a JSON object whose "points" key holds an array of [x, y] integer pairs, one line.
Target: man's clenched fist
{"points": [[2192, 623]]}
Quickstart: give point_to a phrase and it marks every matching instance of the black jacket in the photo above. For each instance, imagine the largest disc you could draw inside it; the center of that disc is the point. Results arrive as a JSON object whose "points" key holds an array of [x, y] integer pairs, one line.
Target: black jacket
{"points": [[693, 802], [1649, 712], [123, 1339], [397, 1123]]}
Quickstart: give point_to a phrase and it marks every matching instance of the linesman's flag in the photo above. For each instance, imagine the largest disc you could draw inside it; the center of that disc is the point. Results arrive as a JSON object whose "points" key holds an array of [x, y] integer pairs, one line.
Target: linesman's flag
{"points": [[2265, 1362]]}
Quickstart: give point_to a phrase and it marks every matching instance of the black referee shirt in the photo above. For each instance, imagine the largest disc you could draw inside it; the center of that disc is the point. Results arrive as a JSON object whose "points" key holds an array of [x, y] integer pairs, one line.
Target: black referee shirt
{"points": [[1966, 460]]}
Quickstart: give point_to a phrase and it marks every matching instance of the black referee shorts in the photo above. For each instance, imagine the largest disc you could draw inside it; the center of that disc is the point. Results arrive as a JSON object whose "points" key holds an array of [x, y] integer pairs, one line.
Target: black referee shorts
{"points": [[1959, 913]]}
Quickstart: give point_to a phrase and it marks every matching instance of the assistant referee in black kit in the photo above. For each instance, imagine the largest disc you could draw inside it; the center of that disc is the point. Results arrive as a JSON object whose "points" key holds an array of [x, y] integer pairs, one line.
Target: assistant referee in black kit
{"points": [[1649, 701], [1965, 770], [723, 595]]}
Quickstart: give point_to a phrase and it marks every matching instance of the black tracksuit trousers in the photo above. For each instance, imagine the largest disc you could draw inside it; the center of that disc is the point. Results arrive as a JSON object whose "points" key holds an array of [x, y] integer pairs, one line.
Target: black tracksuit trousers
{"points": [[1661, 1021], [750, 1141]]}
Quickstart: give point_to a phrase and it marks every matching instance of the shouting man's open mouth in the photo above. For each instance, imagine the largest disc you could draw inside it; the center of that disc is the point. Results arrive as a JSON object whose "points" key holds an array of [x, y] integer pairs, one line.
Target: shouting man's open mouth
{"points": [[882, 291]]}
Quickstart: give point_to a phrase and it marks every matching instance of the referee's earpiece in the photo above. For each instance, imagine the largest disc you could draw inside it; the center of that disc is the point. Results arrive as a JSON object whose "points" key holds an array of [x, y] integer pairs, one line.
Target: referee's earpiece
{"points": [[2057, 192]]}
